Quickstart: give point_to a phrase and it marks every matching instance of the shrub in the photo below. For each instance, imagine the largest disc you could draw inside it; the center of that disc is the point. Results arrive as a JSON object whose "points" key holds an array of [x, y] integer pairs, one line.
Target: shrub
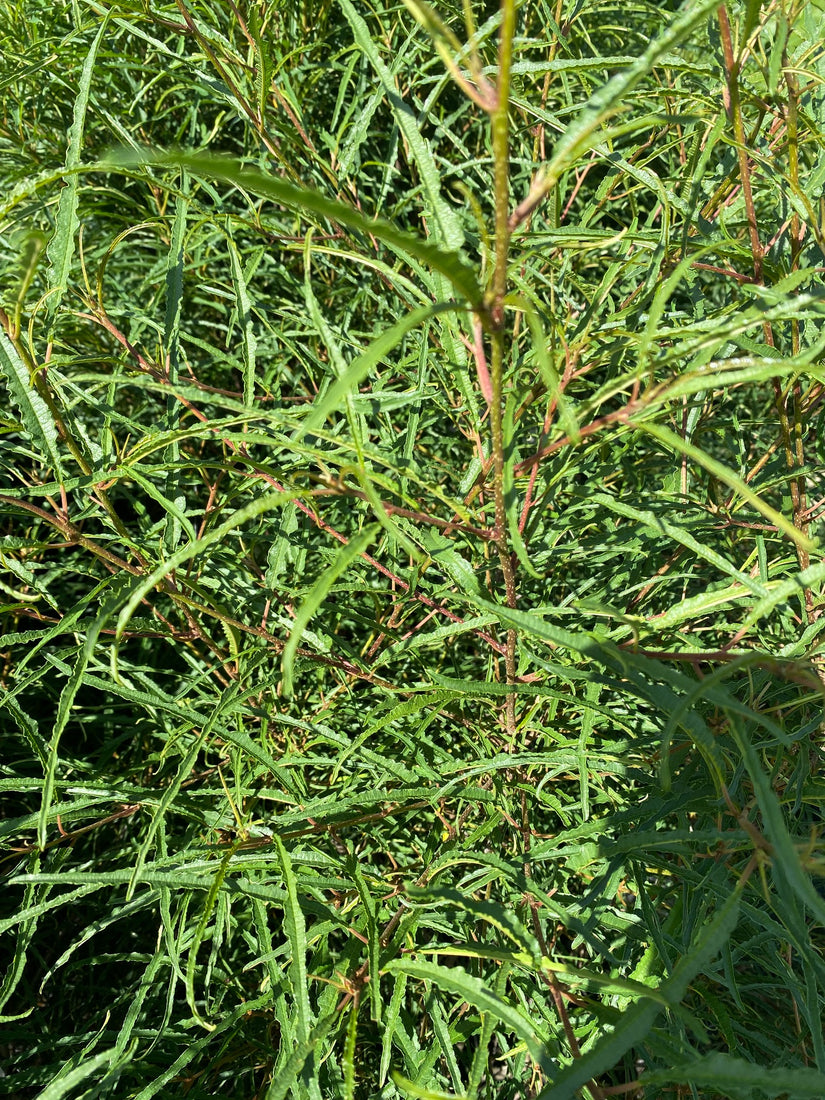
{"points": [[411, 611]]}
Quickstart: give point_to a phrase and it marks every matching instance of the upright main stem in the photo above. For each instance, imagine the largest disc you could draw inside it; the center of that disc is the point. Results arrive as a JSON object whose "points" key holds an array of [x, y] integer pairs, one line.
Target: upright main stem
{"points": [[500, 119], [791, 433]]}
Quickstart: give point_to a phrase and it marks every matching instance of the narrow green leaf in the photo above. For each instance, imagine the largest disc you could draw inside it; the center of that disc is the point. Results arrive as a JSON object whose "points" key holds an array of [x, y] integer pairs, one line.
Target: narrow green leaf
{"points": [[264, 503], [284, 1084], [61, 247], [447, 224], [296, 934], [348, 554], [662, 524], [175, 264], [445, 261], [172, 790], [354, 373], [456, 980], [455, 565], [64, 707], [410, 1088], [148, 982], [243, 306], [390, 1022], [336, 355], [38, 422], [787, 864], [607, 99], [25, 932], [636, 1023], [727, 477], [735, 1078], [194, 1049], [171, 506], [481, 1056], [47, 904], [348, 1059], [200, 932], [373, 936], [778, 592], [63, 1085], [491, 912], [441, 1029], [547, 368]]}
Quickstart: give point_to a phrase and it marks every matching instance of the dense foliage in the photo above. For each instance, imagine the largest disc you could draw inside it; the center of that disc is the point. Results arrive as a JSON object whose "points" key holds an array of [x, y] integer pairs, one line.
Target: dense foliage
{"points": [[411, 595]]}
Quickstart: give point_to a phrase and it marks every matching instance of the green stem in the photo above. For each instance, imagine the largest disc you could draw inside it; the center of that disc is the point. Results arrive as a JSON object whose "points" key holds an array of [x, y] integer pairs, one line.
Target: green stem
{"points": [[500, 120], [501, 156], [797, 454], [793, 444]]}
